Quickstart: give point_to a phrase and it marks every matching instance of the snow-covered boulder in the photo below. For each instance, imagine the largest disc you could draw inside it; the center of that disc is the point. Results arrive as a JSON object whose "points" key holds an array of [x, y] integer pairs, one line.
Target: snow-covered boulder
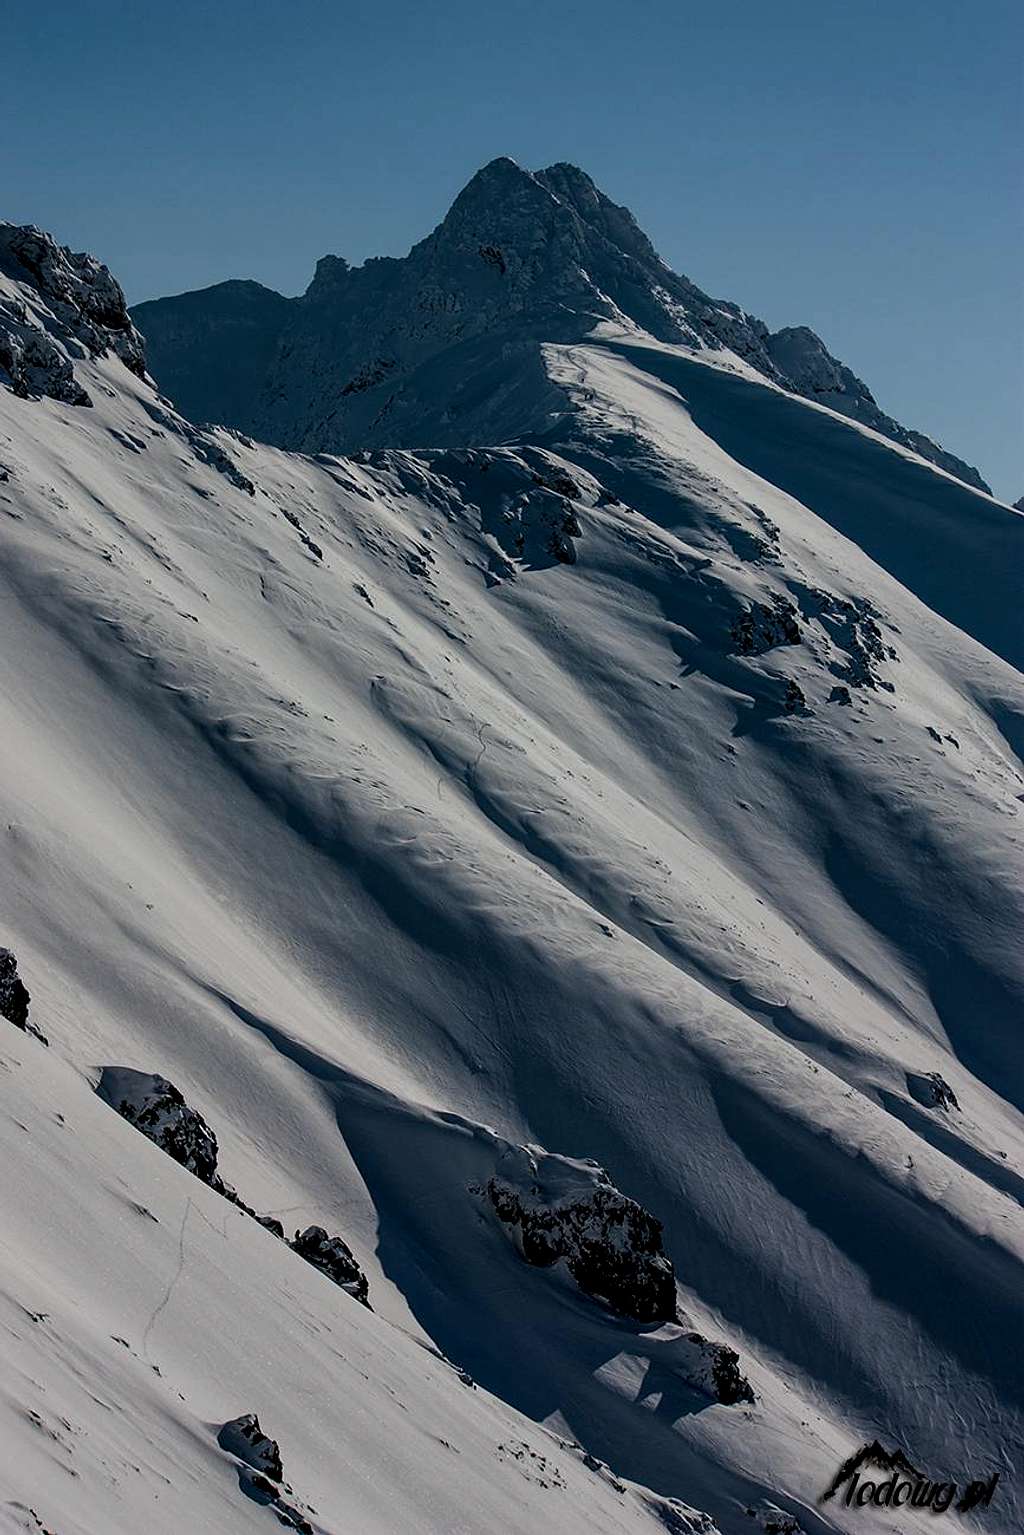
{"points": [[261, 1471], [769, 1519], [334, 1258], [156, 1107], [244, 1437], [560, 1209]]}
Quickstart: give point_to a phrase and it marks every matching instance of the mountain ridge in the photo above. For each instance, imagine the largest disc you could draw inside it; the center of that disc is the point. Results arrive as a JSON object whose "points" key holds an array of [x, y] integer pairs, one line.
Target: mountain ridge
{"points": [[623, 822], [528, 257]]}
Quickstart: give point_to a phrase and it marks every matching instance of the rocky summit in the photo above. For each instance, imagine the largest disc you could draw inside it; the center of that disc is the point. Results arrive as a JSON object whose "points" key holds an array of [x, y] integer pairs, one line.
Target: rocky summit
{"points": [[387, 354]]}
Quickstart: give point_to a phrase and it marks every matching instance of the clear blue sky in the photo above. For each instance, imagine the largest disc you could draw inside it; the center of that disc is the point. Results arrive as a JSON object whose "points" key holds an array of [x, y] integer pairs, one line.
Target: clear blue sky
{"points": [[851, 166]]}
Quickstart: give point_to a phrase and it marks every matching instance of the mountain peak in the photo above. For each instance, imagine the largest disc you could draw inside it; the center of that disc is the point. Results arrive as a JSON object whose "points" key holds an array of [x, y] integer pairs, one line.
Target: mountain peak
{"points": [[497, 189], [522, 257]]}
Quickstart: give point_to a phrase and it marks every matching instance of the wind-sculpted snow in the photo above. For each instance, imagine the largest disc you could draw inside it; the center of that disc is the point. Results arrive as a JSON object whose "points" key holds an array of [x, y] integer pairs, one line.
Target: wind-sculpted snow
{"points": [[424, 844]]}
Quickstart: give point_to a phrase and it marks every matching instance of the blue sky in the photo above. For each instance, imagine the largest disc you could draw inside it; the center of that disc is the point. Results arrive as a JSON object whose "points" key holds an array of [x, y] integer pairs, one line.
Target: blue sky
{"points": [[854, 167]]}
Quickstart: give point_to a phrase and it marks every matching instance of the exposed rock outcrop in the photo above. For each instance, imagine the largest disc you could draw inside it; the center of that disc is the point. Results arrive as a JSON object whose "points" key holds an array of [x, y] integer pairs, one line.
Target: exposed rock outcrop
{"points": [[853, 628], [334, 1258], [556, 1209], [244, 1437], [34, 363], [795, 700], [261, 1471], [932, 1090], [14, 997], [77, 310], [715, 1370], [156, 1107], [765, 625]]}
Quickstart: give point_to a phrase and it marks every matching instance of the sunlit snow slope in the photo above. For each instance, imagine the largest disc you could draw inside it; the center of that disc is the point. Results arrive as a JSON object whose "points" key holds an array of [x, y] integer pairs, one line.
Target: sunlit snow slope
{"points": [[400, 807]]}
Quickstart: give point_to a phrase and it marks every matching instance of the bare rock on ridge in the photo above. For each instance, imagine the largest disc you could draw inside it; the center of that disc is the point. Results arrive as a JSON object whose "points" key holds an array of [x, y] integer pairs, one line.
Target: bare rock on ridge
{"points": [[80, 292]]}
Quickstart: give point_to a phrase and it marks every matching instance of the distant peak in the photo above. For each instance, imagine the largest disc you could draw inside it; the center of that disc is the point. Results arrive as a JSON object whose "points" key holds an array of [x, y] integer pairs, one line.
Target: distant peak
{"points": [[567, 174], [502, 171], [497, 187], [501, 165]]}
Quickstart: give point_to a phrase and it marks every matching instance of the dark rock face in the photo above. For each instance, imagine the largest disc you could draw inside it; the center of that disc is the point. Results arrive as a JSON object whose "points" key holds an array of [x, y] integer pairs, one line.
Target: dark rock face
{"points": [[273, 1226], [795, 701], [14, 997], [766, 625], [33, 362], [82, 313], [840, 695], [719, 1372], [244, 1437], [932, 1090], [610, 1244], [205, 348], [334, 1258], [156, 1107]]}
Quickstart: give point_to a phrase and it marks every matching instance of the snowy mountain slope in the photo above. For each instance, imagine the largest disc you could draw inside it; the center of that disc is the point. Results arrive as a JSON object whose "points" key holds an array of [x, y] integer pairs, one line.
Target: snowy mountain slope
{"points": [[520, 258], [401, 808], [140, 1316]]}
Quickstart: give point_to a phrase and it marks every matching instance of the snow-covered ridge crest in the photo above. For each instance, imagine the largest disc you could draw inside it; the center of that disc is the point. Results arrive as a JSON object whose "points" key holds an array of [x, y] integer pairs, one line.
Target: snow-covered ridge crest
{"points": [[381, 355]]}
